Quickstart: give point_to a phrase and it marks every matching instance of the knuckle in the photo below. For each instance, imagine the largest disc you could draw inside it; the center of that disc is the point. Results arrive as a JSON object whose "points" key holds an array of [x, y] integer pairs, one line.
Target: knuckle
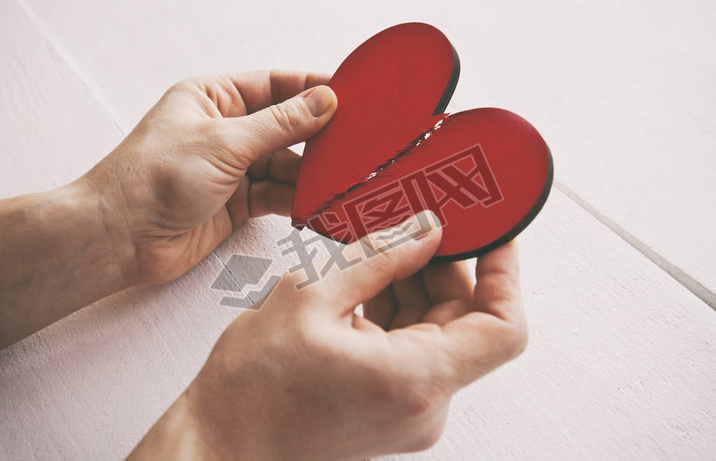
{"points": [[183, 85], [382, 380], [513, 341], [500, 287], [394, 386], [270, 162], [521, 340], [428, 437], [268, 197], [417, 404], [286, 116], [418, 398]]}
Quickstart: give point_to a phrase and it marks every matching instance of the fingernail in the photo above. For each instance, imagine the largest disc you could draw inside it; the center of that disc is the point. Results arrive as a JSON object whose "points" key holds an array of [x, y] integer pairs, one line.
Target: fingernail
{"points": [[319, 100]]}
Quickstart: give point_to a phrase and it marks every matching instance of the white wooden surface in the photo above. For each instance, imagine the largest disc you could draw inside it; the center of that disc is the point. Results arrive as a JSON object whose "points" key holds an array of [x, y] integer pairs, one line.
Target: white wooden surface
{"points": [[618, 269]]}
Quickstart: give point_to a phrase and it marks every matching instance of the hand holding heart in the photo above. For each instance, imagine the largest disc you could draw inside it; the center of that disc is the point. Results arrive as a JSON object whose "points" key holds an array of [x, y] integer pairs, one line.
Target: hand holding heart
{"points": [[305, 378], [209, 155]]}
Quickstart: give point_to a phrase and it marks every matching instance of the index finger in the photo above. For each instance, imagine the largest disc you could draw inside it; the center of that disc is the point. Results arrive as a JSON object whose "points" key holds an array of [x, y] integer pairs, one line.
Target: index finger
{"points": [[235, 95], [263, 88]]}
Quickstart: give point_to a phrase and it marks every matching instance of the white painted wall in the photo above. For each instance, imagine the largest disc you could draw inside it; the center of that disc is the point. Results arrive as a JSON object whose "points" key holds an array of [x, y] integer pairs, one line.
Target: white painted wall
{"points": [[622, 356]]}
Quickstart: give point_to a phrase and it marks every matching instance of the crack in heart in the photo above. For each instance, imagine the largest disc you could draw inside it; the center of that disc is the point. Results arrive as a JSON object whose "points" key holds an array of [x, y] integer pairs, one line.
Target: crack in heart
{"points": [[411, 146]]}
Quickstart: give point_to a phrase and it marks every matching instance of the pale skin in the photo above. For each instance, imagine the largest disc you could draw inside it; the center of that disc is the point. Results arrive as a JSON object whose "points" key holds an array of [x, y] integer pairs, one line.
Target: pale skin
{"points": [[303, 377]]}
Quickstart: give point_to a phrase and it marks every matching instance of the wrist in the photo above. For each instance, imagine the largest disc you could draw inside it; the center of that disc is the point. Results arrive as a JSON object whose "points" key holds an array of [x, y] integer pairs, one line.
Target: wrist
{"points": [[113, 227], [193, 429], [176, 436], [238, 429], [59, 254]]}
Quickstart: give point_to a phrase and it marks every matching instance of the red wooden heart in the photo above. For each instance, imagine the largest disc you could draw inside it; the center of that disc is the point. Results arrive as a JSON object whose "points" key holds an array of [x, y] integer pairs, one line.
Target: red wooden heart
{"points": [[390, 151]]}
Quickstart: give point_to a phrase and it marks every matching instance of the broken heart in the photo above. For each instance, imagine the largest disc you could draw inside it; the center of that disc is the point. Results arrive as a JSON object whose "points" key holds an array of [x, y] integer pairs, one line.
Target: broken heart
{"points": [[390, 151]]}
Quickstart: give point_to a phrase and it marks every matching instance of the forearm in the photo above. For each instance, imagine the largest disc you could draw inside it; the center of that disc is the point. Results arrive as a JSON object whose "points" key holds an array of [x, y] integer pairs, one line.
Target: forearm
{"points": [[59, 252]]}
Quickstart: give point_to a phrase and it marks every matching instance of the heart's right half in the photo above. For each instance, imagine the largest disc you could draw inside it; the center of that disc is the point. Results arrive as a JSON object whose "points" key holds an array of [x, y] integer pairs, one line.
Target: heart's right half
{"points": [[390, 151]]}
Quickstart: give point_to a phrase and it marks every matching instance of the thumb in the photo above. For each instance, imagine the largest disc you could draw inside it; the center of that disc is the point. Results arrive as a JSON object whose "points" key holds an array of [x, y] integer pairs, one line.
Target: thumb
{"points": [[361, 270], [287, 123]]}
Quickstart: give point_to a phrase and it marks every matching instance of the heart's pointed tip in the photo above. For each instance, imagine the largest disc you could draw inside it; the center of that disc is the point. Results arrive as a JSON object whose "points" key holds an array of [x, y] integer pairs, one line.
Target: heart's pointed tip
{"points": [[298, 223]]}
